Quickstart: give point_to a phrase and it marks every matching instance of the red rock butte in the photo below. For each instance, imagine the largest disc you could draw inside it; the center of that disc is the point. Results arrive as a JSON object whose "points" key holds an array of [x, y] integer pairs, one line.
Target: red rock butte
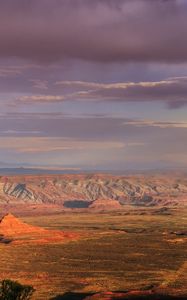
{"points": [[105, 204], [10, 226]]}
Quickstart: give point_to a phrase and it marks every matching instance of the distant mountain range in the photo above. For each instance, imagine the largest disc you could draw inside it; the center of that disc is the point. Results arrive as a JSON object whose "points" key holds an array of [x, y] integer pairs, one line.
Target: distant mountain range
{"points": [[45, 170], [35, 171], [94, 191]]}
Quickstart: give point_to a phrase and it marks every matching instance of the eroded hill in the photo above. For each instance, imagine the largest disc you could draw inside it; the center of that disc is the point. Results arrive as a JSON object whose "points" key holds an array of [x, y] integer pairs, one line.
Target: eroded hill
{"points": [[94, 191]]}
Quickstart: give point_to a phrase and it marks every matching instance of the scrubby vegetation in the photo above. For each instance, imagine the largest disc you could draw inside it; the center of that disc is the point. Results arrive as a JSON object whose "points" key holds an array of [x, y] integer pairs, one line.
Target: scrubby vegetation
{"points": [[13, 290]]}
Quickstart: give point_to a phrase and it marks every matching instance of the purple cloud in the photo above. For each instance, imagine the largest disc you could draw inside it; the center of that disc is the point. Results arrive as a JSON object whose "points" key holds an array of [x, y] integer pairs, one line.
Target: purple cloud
{"points": [[172, 91], [99, 30]]}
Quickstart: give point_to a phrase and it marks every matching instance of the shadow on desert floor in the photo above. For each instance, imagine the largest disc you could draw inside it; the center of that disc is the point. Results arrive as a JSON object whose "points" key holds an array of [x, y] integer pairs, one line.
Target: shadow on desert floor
{"points": [[82, 296], [72, 295]]}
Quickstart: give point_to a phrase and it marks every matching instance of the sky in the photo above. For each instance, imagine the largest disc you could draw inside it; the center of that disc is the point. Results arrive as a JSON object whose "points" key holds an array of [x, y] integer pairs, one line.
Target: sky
{"points": [[93, 85]]}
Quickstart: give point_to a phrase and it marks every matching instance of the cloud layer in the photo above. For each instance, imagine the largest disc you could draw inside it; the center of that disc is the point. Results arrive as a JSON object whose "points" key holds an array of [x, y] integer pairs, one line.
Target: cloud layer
{"points": [[88, 83], [172, 91], [99, 30]]}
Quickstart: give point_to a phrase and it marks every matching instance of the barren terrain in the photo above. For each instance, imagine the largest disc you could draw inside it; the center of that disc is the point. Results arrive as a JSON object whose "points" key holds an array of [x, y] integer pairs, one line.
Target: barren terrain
{"points": [[118, 252], [120, 246], [94, 192]]}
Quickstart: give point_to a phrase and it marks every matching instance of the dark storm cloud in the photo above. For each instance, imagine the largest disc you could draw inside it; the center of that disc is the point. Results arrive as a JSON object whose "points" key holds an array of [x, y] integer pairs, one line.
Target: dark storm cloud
{"points": [[99, 30]]}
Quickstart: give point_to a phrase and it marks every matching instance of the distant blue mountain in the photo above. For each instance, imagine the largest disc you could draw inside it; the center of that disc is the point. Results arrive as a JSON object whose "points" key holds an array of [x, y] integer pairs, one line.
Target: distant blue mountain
{"points": [[34, 171]]}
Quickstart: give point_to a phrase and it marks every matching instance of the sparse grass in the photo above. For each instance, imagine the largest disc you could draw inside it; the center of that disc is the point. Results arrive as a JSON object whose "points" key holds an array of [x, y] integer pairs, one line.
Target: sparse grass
{"points": [[106, 259]]}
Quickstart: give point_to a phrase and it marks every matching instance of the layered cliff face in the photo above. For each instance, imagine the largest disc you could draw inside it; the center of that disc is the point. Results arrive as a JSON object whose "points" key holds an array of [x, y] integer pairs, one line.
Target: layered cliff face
{"points": [[85, 190]]}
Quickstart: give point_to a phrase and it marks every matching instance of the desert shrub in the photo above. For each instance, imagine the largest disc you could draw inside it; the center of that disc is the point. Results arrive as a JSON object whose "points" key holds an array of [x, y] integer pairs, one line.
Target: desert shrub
{"points": [[13, 290]]}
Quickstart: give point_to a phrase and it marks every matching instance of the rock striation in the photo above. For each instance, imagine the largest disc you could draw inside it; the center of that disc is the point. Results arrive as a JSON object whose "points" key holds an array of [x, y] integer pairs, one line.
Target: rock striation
{"points": [[157, 190]]}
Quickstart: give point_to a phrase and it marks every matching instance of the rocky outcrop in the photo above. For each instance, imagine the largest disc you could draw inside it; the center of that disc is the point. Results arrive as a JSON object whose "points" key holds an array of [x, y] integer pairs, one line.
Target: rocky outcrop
{"points": [[105, 204], [10, 226], [14, 230], [134, 295]]}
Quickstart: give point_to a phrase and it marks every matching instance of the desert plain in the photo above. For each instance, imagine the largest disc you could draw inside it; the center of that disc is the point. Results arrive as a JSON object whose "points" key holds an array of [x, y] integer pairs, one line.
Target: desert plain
{"points": [[86, 236]]}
